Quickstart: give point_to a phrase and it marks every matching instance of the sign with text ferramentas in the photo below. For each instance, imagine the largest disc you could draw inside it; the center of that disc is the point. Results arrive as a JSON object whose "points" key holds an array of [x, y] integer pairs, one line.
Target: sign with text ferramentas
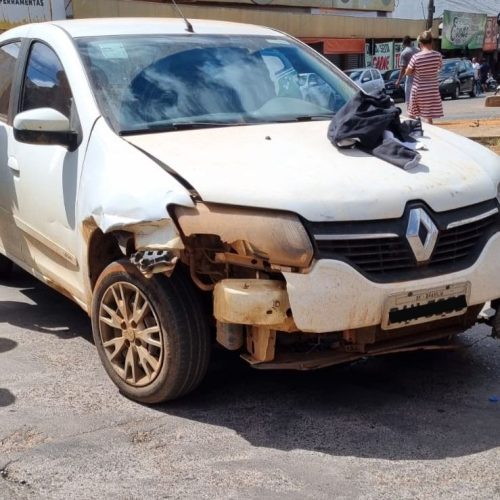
{"points": [[384, 56], [14, 12], [463, 30]]}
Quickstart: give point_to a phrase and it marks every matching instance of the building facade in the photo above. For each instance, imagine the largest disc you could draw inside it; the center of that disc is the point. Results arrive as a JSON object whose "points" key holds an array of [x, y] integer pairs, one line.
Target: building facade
{"points": [[342, 30]]}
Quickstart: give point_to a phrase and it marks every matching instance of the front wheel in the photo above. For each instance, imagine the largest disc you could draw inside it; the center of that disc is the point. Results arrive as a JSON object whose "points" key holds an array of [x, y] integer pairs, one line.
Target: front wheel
{"points": [[151, 334], [456, 92]]}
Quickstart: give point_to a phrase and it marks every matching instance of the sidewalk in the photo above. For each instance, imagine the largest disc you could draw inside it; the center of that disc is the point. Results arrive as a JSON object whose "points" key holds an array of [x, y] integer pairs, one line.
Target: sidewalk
{"points": [[486, 132]]}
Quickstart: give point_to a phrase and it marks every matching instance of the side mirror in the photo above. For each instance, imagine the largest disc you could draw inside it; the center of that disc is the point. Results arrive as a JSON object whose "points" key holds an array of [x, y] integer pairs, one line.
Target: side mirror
{"points": [[45, 126]]}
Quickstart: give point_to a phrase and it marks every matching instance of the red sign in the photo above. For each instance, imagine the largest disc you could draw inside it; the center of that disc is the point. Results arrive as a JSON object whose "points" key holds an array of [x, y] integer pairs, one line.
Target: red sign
{"points": [[490, 35], [381, 62], [382, 59]]}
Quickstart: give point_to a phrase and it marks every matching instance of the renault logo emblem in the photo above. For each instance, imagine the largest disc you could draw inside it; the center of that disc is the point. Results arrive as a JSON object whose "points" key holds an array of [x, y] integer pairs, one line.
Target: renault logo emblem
{"points": [[421, 234]]}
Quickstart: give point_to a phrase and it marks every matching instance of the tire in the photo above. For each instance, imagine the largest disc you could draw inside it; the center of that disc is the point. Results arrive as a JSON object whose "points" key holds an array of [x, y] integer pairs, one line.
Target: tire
{"points": [[151, 334], [6, 267], [472, 93], [456, 92]]}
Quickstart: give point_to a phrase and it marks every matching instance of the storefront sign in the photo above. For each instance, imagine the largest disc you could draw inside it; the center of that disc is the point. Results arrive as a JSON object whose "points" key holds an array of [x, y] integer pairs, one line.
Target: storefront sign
{"points": [[14, 12], [461, 30], [398, 48], [384, 56], [490, 35]]}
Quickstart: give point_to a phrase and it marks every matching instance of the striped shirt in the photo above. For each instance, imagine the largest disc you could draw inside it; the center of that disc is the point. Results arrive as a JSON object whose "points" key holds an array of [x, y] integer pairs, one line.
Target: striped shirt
{"points": [[425, 99]]}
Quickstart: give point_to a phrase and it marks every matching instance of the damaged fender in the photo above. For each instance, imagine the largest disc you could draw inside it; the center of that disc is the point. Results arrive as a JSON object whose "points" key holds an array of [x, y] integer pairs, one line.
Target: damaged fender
{"points": [[127, 189], [122, 189]]}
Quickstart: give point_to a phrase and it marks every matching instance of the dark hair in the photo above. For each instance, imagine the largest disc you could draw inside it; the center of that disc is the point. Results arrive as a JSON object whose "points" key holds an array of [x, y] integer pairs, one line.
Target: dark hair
{"points": [[425, 38], [406, 41]]}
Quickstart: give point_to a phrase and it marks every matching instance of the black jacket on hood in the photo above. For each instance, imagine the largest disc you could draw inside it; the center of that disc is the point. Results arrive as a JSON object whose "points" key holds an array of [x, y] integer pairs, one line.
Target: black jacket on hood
{"points": [[362, 121]]}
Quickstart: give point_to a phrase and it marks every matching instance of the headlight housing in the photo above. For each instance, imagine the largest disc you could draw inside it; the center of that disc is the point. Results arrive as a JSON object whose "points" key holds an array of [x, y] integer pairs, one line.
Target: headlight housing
{"points": [[278, 237], [448, 81]]}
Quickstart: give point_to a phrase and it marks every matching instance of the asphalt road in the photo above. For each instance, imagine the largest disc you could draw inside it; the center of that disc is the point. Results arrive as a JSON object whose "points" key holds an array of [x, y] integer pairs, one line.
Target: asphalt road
{"points": [[465, 108], [418, 425]]}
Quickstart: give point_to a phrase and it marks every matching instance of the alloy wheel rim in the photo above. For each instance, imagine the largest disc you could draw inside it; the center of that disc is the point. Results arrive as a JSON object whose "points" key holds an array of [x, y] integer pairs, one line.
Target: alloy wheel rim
{"points": [[130, 334]]}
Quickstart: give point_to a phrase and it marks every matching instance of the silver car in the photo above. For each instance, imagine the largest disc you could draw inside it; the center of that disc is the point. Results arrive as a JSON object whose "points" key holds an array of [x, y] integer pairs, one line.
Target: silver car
{"points": [[369, 79]]}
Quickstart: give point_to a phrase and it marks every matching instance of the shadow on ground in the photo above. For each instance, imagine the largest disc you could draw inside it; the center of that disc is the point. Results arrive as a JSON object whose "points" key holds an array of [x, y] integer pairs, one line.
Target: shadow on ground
{"points": [[50, 313], [418, 406], [427, 405], [6, 397]]}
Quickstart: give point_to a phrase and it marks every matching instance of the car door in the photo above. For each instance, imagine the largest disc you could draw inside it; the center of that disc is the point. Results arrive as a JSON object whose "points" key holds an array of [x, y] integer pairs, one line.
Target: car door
{"points": [[470, 75], [366, 81], [46, 175], [378, 81], [10, 240], [463, 77]]}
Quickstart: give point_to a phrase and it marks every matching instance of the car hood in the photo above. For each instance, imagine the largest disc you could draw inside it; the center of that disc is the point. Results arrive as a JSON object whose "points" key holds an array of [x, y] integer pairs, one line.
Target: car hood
{"points": [[294, 167]]}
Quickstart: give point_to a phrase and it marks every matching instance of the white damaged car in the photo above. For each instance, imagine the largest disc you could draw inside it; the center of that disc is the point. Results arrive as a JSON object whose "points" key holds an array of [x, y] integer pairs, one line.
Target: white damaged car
{"points": [[180, 187]]}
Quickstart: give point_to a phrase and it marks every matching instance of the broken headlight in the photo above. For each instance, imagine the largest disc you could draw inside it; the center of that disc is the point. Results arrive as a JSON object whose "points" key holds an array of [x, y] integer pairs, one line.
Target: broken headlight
{"points": [[277, 237]]}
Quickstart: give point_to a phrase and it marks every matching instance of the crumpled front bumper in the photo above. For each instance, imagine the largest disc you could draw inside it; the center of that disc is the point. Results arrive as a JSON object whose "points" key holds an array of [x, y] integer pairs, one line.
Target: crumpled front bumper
{"points": [[333, 296]]}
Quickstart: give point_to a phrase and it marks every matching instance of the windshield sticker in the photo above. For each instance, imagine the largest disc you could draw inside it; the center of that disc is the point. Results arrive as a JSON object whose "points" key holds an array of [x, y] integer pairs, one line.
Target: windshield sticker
{"points": [[113, 50], [278, 41]]}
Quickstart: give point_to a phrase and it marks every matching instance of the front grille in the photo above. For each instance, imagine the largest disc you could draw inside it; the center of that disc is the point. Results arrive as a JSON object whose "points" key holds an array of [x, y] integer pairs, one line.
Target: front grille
{"points": [[377, 255], [457, 244], [385, 255]]}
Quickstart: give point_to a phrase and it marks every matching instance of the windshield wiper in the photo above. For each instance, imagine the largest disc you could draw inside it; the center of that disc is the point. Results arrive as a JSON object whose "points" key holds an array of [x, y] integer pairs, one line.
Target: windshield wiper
{"points": [[170, 127], [303, 118], [308, 118]]}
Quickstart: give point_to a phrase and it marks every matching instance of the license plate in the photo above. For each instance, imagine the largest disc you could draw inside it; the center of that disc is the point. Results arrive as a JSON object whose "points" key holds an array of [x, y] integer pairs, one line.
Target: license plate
{"points": [[420, 306], [389, 91]]}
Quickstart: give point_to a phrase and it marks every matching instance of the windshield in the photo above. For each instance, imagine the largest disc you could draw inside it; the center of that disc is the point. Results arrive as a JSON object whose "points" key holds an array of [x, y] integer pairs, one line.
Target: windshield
{"points": [[354, 75], [391, 75], [448, 68], [145, 83]]}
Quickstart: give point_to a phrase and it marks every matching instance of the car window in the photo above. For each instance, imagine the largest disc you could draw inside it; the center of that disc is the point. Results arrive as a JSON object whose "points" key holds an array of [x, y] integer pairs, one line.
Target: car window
{"points": [[45, 83], [390, 75], [461, 66], [367, 77], [354, 75], [8, 57], [448, 68], [376, 74], [157, 82]]}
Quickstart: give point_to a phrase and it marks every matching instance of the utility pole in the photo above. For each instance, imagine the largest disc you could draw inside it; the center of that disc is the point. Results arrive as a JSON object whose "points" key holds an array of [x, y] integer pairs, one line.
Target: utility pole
{"points": [[430, 14]]}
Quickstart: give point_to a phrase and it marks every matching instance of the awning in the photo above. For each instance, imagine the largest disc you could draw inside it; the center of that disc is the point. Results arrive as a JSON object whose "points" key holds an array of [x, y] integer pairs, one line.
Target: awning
{"points": [[339, 45]]}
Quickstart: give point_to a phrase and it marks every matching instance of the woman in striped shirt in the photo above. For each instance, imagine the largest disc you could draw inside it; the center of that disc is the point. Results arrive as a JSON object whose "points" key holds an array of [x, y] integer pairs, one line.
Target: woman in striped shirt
{"points": [[425, 99]]}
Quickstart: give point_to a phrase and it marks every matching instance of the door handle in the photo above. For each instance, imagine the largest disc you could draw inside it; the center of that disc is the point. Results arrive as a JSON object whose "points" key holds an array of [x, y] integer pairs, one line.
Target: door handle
{"points": [[12, 163]]}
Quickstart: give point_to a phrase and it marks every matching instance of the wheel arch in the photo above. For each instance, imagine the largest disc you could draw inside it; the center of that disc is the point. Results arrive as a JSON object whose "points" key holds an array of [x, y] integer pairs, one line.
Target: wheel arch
{"points": [[102, 250]]}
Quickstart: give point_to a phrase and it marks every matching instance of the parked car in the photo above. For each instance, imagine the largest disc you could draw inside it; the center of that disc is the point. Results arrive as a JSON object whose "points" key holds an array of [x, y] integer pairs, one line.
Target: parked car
{"points": [[314, 89], [390, 76], [369, 79], [456, 77], [182, 190]]}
